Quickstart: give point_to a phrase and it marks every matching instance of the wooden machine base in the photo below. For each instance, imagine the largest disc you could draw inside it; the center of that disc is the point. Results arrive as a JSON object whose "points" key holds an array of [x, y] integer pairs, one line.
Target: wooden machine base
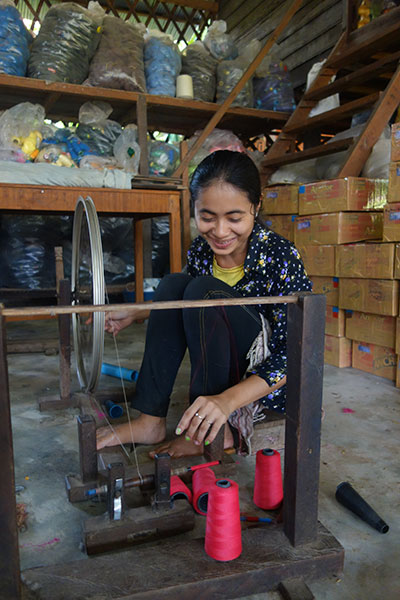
{"points": [[181, 569]]}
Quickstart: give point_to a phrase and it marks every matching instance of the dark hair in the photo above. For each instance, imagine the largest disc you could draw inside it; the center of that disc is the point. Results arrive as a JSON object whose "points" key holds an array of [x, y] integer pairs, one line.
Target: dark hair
{"points": [[235, 168]]}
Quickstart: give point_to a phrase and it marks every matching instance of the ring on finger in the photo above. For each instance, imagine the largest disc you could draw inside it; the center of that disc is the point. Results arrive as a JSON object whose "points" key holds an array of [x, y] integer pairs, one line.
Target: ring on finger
{"points": [[209, 422], [199, 416]]}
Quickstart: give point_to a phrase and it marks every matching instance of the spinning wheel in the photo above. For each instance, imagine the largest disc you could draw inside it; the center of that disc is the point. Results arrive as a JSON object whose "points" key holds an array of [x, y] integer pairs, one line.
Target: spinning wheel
{"points": [[88, 287]]}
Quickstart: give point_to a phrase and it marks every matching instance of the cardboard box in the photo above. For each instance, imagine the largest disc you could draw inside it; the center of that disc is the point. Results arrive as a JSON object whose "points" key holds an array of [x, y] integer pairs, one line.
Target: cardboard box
{"points": [[377, 296], [282, 224], [395, 142], [349, 193], [338, 228], [335, 321], [281, 199], [328, 286], [337, 351], [371, 260], [374, 329], [397, 262], [374, 359], [397, 344], [391, 222], [318, 260]]}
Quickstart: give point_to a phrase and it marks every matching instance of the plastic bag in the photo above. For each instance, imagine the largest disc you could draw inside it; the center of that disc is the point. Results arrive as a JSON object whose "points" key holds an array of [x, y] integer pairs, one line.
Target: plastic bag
{"points": [[378, 163], [219, 43], [66, 43], [15, 40], [219, 139], [202, 67], [272, 85], [163, 158], [327, 103], [96, 130], [162, 64], [56, 155], [118, 60], [127, 150], [21, 127], [229, 72], [68, 141]]}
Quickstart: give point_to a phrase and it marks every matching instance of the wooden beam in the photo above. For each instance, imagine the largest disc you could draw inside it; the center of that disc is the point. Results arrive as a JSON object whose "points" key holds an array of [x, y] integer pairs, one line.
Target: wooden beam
{"points": [[238, 87]]}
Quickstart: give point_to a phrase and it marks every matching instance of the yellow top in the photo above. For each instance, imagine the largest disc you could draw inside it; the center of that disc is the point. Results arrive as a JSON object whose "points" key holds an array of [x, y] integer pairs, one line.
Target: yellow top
{"points": [[230, 276]]}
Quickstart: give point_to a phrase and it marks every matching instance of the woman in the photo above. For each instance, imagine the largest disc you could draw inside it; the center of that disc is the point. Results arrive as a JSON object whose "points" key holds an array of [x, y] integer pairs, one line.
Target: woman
{"points": [[237, 353]]}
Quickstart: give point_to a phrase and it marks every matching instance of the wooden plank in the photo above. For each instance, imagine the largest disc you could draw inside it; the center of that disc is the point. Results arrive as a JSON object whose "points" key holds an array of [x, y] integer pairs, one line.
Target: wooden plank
{"points": [[305, 343], [22, 346], [295, 589], [243, 80], [184, 571], [294, 157], [185, 205], [9, 554], [361, 149]]}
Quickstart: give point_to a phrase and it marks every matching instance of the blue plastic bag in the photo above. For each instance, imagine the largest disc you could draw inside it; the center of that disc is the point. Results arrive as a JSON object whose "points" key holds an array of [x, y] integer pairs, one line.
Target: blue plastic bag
{"points": [[162, 65], [14, 42]]}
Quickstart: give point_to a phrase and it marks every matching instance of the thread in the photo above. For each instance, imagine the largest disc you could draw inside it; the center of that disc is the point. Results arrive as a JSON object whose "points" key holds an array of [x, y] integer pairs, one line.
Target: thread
{"points": [[179, 489], [268, 487], [202, 480], [184, 87], [223, 531]]}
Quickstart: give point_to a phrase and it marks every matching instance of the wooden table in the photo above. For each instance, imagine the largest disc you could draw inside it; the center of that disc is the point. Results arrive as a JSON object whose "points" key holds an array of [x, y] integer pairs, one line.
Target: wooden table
{"points": [[136, 203]]}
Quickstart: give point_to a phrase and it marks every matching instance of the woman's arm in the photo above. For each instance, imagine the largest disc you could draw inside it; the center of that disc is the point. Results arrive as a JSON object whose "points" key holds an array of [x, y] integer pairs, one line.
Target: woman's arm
{"points": [[204, 418]]}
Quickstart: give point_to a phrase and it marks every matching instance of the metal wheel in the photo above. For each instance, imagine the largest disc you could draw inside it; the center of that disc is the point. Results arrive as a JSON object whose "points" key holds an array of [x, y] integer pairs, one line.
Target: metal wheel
{"points": [[88, 287]]}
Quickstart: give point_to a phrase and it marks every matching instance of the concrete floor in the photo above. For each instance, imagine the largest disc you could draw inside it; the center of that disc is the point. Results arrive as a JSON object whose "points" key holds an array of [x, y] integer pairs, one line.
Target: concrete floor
{"points": [[360, 447]]}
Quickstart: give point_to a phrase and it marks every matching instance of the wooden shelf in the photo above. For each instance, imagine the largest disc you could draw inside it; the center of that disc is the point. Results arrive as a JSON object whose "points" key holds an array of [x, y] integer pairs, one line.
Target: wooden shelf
{"points": [[172, 115]]}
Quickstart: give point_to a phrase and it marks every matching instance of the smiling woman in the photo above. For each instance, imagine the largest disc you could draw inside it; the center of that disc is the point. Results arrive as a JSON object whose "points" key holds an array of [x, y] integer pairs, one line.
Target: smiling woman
{"points": [[237, 353]]}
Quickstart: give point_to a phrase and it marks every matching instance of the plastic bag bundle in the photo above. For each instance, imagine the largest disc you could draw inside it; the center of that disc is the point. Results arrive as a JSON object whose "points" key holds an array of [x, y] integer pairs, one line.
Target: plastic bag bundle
{"points": [[202, 67], [219, 139], [14, 40], [21, 127], [69, 142], [127, 150], [162, 64], [219, 43], [163, 158], [96, 130], [66, 43], [275, 91], [118, 60], [229, 72]]}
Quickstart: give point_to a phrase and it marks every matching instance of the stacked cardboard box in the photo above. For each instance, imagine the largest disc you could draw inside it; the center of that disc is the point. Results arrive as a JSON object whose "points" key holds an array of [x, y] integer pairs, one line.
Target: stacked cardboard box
{"points": [[280, 208], [332, 214]]}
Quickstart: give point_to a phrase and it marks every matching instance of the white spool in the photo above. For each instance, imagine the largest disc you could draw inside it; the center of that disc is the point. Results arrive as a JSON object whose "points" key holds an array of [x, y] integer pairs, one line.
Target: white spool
{"points": [[184, 87]]}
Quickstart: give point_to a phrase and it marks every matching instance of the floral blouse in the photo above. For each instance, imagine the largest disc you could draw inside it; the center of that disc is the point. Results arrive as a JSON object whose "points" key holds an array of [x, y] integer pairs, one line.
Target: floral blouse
{"points": [[273, 267]]}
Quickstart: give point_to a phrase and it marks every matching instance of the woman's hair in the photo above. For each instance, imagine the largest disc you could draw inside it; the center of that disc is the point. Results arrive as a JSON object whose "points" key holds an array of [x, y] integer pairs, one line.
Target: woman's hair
{"points": [[226, 166]]}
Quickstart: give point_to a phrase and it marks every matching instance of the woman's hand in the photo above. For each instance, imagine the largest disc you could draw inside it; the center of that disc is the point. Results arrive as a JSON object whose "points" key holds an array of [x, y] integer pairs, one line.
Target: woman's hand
{"points": [[204, 418], [116, 321]]}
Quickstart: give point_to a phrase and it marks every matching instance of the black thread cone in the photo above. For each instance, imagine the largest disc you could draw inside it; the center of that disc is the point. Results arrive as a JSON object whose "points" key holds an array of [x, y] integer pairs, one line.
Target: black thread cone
{"points": [[347, 495]]}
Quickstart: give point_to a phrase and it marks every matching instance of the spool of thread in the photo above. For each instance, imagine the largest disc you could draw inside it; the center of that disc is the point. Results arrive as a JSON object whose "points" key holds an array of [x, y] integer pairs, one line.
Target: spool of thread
{"points": [[268, 487], [179, 489], [115, 371], [184, 87], [202, 480], [223, 532], [114, 411], [347, 495]]}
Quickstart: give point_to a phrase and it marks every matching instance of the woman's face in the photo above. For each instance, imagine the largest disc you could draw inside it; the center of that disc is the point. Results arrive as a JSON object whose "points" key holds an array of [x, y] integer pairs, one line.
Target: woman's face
{"points": [[225, 218]]}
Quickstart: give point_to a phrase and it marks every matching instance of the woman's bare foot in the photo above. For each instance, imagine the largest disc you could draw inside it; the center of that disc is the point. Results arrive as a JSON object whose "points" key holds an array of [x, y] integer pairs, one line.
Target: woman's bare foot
{"points": [[146, 429], [182, 446]]}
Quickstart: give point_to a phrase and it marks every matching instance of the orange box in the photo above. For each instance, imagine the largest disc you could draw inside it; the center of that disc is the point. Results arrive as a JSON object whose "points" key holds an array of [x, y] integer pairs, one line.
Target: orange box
{"points": [[335, 321], [318, 260], [337, 351], [282, 224], [349, 193], [281, 199], [371, 260], [374, 329], [395, 142], [377, 296], [328, 286], [374, 359], [391, 222], [338, 228]]}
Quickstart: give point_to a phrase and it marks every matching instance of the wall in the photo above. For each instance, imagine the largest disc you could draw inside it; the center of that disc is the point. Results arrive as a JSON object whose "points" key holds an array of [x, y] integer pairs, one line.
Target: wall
{"points": [[309, 37]]}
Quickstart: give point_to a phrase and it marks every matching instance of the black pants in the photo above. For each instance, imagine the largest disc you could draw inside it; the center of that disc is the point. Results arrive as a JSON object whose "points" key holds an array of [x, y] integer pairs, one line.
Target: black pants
{"points": [[218, 339]]}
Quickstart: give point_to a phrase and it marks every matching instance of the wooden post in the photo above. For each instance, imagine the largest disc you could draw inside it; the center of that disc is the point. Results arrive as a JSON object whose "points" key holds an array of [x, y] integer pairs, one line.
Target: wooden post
{"points": [[185, 204], [87, 447], [144, 170], [305, 347], [10, 586], [64, 331]]}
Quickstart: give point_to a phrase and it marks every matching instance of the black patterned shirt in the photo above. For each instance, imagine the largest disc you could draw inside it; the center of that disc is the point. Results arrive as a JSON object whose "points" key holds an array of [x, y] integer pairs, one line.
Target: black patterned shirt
{"points": [[272, 267]]}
